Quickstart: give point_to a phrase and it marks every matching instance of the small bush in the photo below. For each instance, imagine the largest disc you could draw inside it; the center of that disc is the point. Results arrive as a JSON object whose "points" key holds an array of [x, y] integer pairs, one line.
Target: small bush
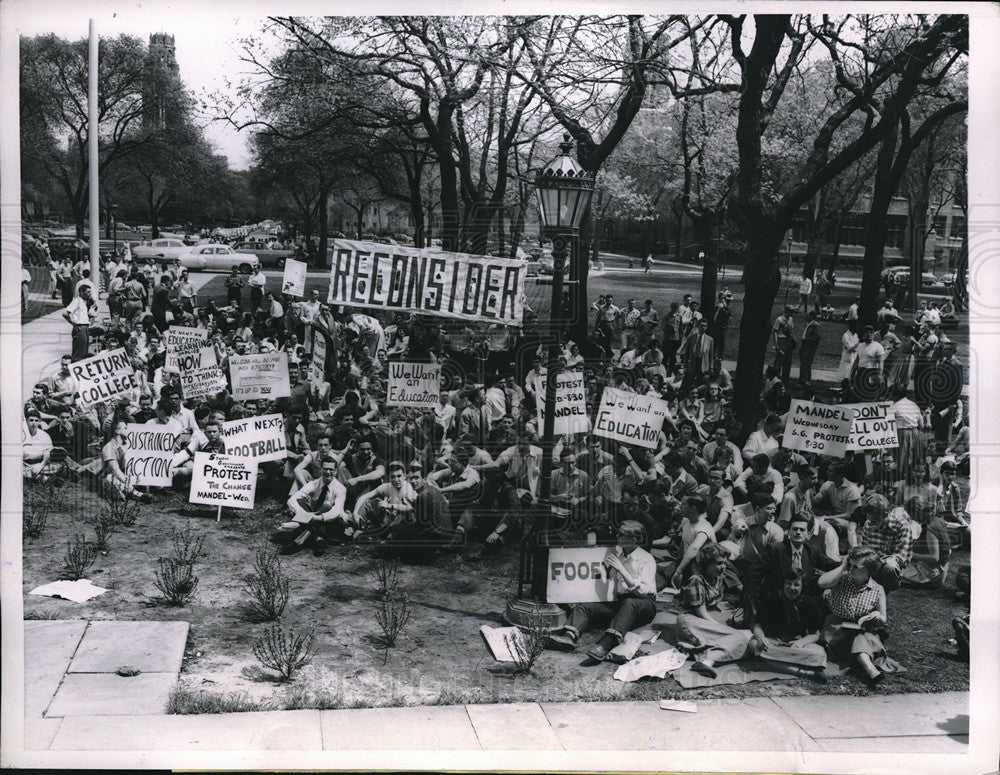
{"points": [[187, 545], [123, 507], [38, 499], [267, 587], [285, 653], [80, 555], [386, 573], [176, 580], [104, 525], [184, 701], [527, 646], [392, 612]]}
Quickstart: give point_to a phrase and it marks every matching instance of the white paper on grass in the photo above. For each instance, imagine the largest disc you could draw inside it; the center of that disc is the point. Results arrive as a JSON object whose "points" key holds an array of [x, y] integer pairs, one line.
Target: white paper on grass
{"points": [[684, 706], [629, 647], [654, 666], [78, 591], [496, 639]]}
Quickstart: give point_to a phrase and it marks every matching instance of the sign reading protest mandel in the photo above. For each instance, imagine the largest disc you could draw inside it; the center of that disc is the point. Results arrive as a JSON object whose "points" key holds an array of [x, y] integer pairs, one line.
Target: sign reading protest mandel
{"points": [[414, 384], [578, 575], [222, 480], [293, 282], [262, 375], [454, 285], [571, 404], [104, 376], [874, 427], [256, 438], [813, 427], [630, 417], [148, 452]]}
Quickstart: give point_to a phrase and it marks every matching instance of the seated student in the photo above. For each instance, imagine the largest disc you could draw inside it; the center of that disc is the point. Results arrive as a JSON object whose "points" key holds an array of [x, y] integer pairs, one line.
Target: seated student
{"points": [[696, 533], [760, 477], [317, 513], [461, 485], [378, 511], [855, 598], [518, 469], [632, 572], [208, 440], [360, 471], [837, 498], [888, 534], [36, 445], [427, 528], [931, 552], [311, 465], [754, 529], [113, 466]]}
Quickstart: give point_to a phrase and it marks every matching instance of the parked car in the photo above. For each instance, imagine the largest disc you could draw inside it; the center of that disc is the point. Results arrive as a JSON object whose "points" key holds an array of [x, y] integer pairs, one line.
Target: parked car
{"points": [[219, 258], [267, 256], [72, 247], [162, 251]]}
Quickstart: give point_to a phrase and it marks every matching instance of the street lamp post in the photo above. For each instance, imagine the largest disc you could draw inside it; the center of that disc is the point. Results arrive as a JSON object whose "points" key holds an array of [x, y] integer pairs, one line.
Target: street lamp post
{"points": [[564, 191], [114, 231]]}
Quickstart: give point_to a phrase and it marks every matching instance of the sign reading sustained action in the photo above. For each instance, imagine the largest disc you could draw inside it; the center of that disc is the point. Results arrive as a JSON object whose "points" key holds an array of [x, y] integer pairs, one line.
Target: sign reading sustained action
{"points": [[104, 376], [578, 575], [630, 417], [571, 403], [223, 480], [263, 375], [414, 384], [256, 438], [454, 285], [822, 428], [148, 452], [874, 427], [293, 282]]}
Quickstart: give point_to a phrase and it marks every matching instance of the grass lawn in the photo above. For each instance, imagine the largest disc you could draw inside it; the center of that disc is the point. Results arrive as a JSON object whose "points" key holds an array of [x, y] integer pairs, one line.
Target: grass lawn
{"points": [[440, 657]]}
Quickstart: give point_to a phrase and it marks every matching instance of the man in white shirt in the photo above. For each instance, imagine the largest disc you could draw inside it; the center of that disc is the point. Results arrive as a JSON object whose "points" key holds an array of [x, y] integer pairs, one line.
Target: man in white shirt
{"points": [[760, 477], [632, 571], [77, 314], [36, 445], [378, 511], [316, 509], [805, 289], [763, 439]]}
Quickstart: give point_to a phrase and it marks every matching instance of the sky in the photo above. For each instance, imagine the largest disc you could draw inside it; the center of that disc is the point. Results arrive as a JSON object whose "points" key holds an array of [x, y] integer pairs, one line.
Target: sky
{"points": [[206, 36]]}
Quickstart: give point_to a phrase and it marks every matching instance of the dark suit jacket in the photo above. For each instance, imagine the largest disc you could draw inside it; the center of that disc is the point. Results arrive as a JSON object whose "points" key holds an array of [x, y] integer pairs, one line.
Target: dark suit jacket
{"points": [[767, 574], [692, 356]]}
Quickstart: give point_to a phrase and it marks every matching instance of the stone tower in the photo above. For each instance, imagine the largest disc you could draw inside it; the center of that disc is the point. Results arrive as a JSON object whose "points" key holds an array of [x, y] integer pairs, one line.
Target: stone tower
{"points": [[161, 81]]}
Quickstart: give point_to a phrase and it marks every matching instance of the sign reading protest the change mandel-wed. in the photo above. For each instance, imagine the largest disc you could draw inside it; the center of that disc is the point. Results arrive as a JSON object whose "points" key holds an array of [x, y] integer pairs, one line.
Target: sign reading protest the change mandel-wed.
{"points": [[149, 450], [630, 417], [822, 428], [263, 375], [571, 403], [293, 282], [223, 480], [453, 285], [414, 384], [104, 376], [179, 340], [256, 438], [874, 427]]}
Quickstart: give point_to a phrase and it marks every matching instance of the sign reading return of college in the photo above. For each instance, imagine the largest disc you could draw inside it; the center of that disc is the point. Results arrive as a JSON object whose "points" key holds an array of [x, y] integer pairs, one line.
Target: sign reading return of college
{"points": [[453, 285], [103, 377], [630, 417]]}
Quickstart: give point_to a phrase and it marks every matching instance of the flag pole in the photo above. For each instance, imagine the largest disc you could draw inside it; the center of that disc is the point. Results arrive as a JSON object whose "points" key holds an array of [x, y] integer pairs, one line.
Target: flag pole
{"points": [[93, 164]]}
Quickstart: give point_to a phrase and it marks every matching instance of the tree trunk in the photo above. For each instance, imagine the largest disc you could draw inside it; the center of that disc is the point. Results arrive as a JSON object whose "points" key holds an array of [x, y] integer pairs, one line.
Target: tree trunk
{"points": [[876, 231], [500, 236], [324, 228]]}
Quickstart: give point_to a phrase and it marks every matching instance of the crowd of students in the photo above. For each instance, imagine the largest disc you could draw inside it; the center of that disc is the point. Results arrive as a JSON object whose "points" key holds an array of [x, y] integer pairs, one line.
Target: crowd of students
{"points": [[709, 517]]}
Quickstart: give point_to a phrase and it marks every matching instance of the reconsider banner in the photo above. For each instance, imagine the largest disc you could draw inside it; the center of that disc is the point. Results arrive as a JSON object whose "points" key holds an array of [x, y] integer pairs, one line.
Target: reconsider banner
{"points": [[223, 480], [454, 285], [822, 428], [630, 417]]}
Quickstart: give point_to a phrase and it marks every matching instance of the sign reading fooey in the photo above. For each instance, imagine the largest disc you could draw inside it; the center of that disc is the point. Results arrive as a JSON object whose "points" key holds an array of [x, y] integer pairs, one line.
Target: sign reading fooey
{"points": [[578, 575], [223, 480]]}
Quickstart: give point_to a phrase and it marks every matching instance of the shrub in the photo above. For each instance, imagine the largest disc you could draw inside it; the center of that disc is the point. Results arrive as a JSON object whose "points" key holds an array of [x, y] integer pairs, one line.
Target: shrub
{"points": [[80, 555], [267, 587], [187, 545], [527, 645], [176, 580], [285, 653], [392, 612], [104, 525], [38, 499], [123, 507], [386, 572]]}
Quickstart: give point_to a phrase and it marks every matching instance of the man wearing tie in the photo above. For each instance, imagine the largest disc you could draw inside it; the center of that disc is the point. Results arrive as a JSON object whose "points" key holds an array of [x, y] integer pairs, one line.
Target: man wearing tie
{"points": [[697, 354], [317, 509]]}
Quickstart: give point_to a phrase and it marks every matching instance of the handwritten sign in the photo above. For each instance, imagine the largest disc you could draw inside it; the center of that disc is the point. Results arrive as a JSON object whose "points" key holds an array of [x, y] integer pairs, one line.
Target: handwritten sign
{"points": [[294, 280], [571, 402], [630, 417], [578, 575], [263, 375], [414, 384], [813, 427], [453, 285], [104, 377], [179, 340], [223, 480], [317, 366], [874, 427], [256, 438], [148, 452]]}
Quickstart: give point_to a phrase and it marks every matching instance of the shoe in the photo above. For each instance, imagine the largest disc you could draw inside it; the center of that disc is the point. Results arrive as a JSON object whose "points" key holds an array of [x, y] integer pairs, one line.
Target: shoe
{"points": [[872, 681], [291, 548], [816, 676], [319, 547], [145, 498], [458, 537], [702, 669], [561, 641], [597, 652]]}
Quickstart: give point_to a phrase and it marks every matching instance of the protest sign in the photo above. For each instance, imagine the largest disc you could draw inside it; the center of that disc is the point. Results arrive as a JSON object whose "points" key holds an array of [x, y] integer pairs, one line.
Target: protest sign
{"points": [[222, 480], [813, 427], [874, 427], [454, 285], [104, 376], [148, 452], [630, 417], [200, 373], [317, 366], [181, 339], [414, 384], [263, 375], [255, 438], [578, 575], [571, 403], [294, 280]]}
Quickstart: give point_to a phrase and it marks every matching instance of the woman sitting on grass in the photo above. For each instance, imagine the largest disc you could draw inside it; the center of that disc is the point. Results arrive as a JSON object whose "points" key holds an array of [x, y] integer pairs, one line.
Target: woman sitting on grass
{"points": [[857, 622]]}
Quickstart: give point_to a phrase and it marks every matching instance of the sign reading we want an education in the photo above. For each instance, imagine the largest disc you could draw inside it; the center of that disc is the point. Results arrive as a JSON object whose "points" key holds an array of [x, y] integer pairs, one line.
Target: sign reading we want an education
{"points": [[453, 285], [414, 384], [630, 417]]}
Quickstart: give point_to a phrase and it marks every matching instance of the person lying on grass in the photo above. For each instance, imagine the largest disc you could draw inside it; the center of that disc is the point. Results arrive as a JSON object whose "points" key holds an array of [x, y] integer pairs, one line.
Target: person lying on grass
{"points": [[632, 572]]}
